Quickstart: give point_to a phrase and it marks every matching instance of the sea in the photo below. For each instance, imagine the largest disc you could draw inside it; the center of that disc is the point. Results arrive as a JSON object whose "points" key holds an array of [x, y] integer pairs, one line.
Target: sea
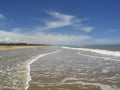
{"points": [[61, 68]]}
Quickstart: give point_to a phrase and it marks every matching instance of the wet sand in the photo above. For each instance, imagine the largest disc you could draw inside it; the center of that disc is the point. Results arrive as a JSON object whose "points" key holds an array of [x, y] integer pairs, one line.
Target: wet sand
{"points": [[5, 48], [14, 67], [58, 69], [68, 70], [65, 87]]}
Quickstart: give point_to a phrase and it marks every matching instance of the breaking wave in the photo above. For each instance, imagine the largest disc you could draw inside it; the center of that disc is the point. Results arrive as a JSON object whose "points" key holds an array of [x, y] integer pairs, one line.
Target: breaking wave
{"points": [[104, 52]]}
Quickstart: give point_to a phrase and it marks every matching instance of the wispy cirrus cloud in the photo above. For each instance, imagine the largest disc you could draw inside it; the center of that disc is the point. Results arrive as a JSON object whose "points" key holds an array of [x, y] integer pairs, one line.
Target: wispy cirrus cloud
{"points": [[60, 20], [2, 20], [87, 29], [2, 16]]}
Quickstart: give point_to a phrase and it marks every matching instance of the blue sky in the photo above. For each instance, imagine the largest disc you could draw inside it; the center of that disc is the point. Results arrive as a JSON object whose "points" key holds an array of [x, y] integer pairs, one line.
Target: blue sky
{"points": [[60, 22]]}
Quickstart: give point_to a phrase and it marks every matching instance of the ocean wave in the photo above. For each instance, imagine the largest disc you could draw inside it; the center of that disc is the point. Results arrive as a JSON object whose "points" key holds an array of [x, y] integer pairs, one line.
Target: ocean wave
{"points": [[104, 52], [102, 86], [106, 58]]}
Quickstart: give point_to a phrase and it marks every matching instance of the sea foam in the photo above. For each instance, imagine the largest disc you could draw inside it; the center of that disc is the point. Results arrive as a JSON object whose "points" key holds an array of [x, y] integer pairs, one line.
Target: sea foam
{"points": [[33, 60], [104, 52]]}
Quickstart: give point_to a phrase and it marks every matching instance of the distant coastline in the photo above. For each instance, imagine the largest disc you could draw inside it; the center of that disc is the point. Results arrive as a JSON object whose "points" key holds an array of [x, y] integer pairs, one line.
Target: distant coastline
{"points": [[16, 46], [21, 44]]}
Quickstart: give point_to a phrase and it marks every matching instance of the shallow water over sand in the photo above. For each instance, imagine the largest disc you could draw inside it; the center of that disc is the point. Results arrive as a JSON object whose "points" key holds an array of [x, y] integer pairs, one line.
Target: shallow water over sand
{"points": [[14, 67], [75, 70], [55, 68]]}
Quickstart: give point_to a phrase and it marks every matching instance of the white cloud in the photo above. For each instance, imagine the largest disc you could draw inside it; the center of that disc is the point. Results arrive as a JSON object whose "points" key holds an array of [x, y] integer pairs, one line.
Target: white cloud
{"points": [[87, 29], [107, 41], [1, 40], [16, 30], [56, 39], [7, 39], [2, 16], [103, 41], [113, 30], [59, 20]]}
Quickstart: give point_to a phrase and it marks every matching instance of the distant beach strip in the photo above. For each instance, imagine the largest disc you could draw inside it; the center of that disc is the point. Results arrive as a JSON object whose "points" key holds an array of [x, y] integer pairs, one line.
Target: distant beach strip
{"points": [[5, 48]]}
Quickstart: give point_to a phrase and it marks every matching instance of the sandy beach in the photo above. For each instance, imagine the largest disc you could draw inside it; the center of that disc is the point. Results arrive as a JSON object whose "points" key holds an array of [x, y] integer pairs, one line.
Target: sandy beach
{"points": [[5, 48]]}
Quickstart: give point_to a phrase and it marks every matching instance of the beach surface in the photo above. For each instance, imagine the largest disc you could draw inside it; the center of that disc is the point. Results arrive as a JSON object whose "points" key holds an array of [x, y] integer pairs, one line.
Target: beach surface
{"points": [[69, 69], [59, 68], [4, 48]]}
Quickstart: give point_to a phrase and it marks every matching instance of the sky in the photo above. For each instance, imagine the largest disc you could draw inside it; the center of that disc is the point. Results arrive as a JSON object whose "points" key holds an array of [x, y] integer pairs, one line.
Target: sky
{"points": [[60, 22]]}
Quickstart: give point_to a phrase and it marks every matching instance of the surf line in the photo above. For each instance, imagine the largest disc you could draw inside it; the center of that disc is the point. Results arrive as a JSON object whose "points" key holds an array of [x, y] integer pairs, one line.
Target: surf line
{"points": [[33, 60], [99, 51], [112, 59]]}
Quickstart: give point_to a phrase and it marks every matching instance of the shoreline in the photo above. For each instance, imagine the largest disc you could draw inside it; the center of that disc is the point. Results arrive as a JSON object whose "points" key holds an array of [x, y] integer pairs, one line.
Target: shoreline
{"points": [[7, 48]]}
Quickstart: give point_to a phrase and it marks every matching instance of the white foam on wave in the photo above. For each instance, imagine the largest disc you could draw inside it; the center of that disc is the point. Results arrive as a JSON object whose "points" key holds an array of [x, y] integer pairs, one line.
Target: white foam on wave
{"points": [[33, 60], [104, 52], [105, 71], [102, 86], [98, 57], [74, 81], [69, 79]]}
